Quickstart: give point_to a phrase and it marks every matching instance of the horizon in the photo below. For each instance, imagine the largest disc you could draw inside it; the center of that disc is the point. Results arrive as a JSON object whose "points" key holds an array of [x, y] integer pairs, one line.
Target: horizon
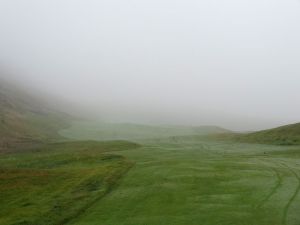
{"points": [[232, 64]]}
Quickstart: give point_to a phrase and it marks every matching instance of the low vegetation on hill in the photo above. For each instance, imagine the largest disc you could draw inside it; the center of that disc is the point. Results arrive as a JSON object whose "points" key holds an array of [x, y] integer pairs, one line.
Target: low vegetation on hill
{"points": [[284, 135], [25, 119]]}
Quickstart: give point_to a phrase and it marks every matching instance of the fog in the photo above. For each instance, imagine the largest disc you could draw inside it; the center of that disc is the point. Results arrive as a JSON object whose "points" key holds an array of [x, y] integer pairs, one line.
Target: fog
{"points": [[233, 63]]}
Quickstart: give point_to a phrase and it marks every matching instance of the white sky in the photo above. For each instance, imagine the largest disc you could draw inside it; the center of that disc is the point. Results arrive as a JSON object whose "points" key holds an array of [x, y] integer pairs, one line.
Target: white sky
{"points": [[234, 63]]}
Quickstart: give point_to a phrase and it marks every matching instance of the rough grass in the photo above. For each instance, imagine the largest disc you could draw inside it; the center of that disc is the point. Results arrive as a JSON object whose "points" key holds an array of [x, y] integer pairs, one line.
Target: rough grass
{"points": [[53, 184], [285, 135]]}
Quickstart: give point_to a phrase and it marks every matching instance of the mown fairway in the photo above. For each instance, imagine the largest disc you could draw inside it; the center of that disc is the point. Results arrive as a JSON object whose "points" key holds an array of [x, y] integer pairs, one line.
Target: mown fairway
{"points": [[182, 181]]}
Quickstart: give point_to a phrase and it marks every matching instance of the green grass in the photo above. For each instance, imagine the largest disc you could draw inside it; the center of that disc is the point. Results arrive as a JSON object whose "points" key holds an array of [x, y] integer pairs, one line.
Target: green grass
{"points": [[203, 182], [172, 181], [54, 183], [189, 180], [285, 135]]}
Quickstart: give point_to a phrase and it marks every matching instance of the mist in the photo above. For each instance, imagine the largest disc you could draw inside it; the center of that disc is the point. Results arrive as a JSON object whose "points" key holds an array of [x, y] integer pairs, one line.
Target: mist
{"points": [[229, 63]]}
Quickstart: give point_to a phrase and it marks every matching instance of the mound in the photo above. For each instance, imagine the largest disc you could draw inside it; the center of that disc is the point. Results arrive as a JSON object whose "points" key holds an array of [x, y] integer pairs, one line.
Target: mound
{"points": [[285, 135]]}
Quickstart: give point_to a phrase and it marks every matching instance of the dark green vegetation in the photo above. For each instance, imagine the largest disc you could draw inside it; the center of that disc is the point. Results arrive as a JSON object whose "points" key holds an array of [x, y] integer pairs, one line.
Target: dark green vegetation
{"points": [[57, 182], [25, 119]]}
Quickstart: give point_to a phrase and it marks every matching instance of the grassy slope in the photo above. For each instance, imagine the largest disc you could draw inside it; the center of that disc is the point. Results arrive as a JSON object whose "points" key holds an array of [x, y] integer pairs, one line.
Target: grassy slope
{"points": [[285, 135], [25, 119], [53, 184]]}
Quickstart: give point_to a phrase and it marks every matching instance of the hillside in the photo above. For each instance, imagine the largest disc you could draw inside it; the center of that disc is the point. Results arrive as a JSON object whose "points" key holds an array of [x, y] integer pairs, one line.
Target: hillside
{"points": [[285, 135], [25, 118]]}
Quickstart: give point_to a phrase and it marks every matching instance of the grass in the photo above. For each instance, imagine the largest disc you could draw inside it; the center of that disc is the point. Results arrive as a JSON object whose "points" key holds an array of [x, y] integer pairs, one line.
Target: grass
{"points": [[203, 182], [174, 181], [285, 135], [189, 180], [53, 184]]}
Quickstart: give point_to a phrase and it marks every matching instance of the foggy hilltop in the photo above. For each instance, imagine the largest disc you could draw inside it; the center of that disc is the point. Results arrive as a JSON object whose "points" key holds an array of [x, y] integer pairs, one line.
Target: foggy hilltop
{"points": [[143, 113], [232, 64]]}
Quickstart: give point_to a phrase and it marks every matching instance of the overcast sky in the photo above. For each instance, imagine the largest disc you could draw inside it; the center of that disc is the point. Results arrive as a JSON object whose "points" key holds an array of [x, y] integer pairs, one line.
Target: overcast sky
{"points": [[234, 63]]}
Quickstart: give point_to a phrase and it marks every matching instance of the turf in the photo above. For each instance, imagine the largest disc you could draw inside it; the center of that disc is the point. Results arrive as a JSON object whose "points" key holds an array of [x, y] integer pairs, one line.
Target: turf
{"points": [[181, 182]]}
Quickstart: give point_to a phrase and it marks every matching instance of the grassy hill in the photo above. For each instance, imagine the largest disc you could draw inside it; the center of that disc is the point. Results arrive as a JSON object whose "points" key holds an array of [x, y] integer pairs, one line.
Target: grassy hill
{"points": [[285, 135], [25, 119]]}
